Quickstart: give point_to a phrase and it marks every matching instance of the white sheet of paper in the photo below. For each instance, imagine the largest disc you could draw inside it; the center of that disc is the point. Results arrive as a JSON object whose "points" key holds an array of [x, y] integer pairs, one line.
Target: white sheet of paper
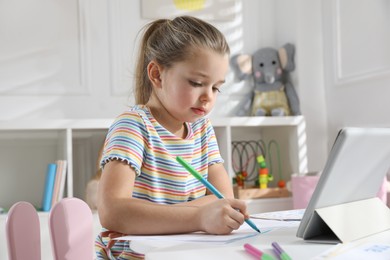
{"points": [[194, 237], [356, 251], [245, 231], [284, 215]]}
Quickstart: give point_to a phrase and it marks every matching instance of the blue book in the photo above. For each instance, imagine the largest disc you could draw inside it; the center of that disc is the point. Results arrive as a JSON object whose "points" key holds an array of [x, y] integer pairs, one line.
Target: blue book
{"points": [[49, 186]]}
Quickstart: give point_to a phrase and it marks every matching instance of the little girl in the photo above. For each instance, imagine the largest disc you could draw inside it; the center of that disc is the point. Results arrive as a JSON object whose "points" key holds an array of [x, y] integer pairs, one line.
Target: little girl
{"points": [[143, 189]]}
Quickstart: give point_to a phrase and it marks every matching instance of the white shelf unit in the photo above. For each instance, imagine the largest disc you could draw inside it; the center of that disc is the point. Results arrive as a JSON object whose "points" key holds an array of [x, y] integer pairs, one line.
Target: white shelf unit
{"points": [[288, 132], [26, 147], [290, 135]]}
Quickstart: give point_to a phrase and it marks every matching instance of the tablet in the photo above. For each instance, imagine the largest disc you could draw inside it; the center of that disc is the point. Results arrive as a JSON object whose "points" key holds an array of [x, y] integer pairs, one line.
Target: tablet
{"points": [[354, 171]]}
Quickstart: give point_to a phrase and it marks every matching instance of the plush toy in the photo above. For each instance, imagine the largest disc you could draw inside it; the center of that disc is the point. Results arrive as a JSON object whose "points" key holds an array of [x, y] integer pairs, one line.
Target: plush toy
{"points": [[273, 94]]}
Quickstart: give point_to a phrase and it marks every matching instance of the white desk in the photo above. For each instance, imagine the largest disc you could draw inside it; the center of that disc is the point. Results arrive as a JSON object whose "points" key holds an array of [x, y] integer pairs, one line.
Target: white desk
{"points": [[295, 247]]}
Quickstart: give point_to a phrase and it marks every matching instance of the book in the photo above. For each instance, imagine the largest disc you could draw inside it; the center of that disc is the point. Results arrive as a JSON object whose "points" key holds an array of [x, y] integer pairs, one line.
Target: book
{"points": [[62, 180], [49, 186], [56, 183], [59, 184]]}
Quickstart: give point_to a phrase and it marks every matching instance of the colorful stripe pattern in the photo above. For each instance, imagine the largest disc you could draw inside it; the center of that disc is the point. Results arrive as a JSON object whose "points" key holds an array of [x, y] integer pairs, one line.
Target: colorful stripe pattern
{"points": [[138, 139]]}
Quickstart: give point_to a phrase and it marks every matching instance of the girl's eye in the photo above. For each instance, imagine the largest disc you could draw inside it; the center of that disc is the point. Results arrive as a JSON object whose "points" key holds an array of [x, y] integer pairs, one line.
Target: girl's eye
{"points": [[195, 84], [216, 90]]}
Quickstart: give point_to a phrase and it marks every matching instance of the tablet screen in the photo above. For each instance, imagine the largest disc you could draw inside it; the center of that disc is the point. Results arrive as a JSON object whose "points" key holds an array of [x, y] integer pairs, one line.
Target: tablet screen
{"points": [[356, 166]]}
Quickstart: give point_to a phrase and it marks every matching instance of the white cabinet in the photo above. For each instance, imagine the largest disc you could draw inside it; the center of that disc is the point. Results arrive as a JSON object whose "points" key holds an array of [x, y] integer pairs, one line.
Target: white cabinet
{"points": [[26, 147], [289, 134]]}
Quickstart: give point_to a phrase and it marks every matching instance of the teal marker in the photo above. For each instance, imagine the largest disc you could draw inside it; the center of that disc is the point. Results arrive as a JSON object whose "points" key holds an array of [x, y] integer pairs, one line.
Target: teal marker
{"points": [[209, 186]]}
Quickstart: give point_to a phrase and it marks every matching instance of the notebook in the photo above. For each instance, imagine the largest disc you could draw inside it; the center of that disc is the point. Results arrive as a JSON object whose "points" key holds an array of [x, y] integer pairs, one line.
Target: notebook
{"points": [[354, 172]]}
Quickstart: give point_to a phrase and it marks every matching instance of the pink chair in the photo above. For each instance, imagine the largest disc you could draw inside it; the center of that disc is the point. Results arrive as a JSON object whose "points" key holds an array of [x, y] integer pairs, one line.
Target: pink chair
{"points": [[71, 230], [23, 232]]}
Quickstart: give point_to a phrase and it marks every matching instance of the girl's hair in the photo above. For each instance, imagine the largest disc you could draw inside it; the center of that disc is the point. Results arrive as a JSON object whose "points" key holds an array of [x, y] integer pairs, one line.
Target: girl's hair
{"points": [[169, 41]]}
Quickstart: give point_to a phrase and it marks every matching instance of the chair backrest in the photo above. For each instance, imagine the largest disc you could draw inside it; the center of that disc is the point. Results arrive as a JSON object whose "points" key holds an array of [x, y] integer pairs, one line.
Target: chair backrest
{"points": [[23, 232], [71, 230]]}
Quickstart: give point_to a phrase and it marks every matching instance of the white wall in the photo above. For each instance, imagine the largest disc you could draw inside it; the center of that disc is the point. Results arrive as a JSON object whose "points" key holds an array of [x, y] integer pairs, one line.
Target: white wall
{"points": [[357, 63], [75, 58]]}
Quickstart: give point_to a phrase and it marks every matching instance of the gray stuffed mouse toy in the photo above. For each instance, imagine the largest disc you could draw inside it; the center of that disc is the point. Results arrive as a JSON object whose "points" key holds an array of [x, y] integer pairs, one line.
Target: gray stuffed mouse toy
{"points": [[273, 93]]}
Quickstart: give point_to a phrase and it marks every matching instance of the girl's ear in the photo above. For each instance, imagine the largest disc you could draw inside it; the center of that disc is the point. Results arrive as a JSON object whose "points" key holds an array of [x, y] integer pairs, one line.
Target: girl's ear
{"points": [[154, 73]]}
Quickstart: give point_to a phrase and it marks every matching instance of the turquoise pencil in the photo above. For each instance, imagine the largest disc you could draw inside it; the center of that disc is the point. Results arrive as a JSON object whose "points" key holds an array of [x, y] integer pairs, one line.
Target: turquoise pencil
{"points": [[209, 186]]}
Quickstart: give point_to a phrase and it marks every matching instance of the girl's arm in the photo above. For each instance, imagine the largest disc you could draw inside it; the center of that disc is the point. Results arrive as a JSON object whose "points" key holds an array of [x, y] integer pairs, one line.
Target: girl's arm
{"points": [[118, 211], [219, 178]]}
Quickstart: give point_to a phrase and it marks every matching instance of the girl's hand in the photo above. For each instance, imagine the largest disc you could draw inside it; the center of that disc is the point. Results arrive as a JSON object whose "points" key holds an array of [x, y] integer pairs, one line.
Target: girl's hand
{"points": [[222, 216]]}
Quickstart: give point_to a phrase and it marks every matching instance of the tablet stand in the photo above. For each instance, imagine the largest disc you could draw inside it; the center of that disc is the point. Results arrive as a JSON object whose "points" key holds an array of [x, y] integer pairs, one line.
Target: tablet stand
{"points": [[349, 221]]}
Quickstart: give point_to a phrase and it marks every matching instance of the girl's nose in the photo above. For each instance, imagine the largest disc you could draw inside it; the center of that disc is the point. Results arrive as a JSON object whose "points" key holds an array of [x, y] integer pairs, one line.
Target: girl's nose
{"points": [[207, 95]]}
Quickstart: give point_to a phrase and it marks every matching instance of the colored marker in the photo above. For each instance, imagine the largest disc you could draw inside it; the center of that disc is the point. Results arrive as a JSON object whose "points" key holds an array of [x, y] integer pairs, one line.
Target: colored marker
{"points": [[209, 186], [257, 253], [280, 252]]}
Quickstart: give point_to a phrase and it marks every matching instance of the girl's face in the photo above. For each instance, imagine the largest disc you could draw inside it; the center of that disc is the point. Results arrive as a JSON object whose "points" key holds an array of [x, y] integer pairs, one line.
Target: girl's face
{"points": [[189, 88]]}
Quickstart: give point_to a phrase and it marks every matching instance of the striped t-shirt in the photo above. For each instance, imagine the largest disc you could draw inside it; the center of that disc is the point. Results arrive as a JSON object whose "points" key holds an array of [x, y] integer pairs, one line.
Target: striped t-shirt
{"points": [[138, 139]]}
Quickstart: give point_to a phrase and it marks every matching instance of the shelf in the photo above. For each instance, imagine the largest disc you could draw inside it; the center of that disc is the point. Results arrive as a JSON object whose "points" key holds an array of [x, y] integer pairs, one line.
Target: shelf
{"points": [[55, 124], [288, 133], [269, 204], [257, 193], [27, 146], [258, 121]]}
